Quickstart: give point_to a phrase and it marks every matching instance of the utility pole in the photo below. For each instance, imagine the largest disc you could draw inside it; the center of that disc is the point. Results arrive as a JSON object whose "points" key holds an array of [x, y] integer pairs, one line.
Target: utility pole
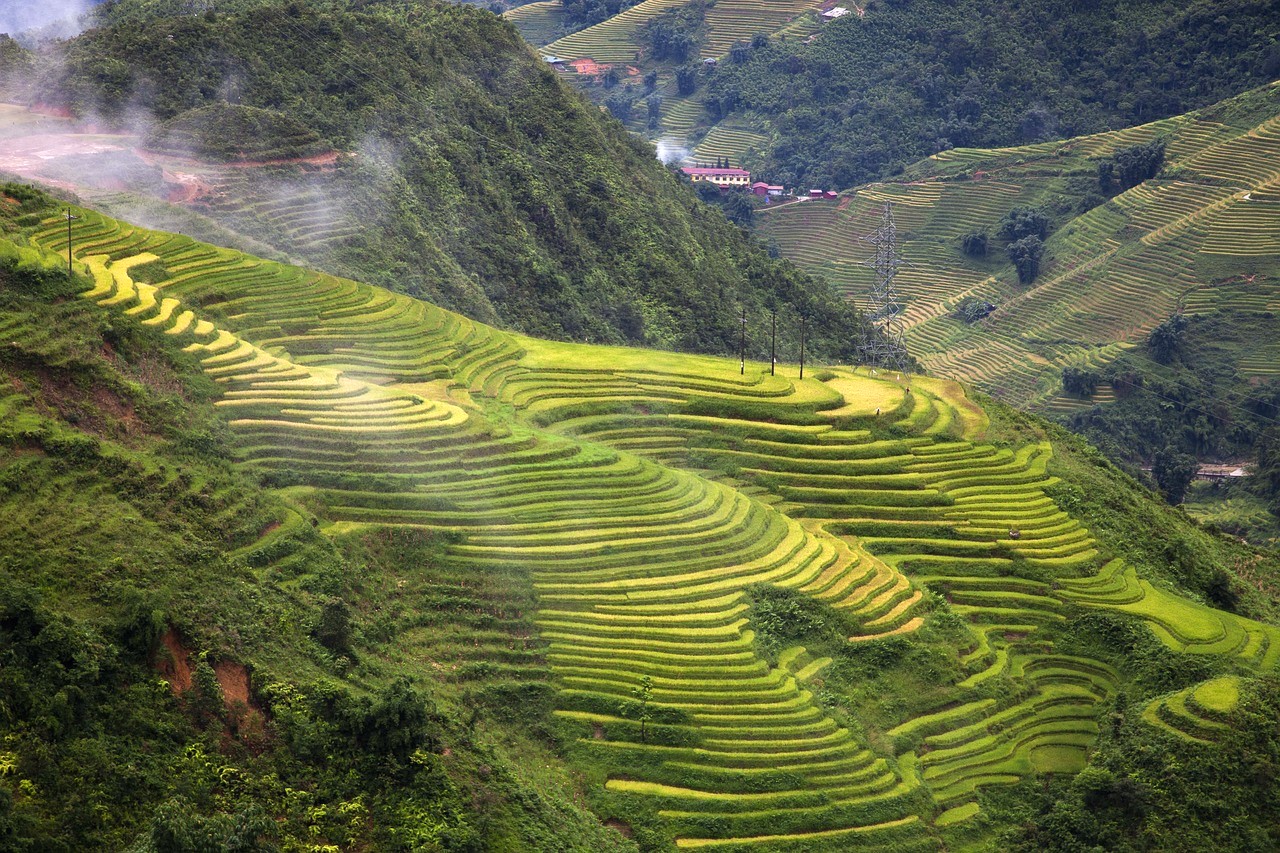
{"points": [[69, 218], [802, 346], [742, 346], [773, 343]]}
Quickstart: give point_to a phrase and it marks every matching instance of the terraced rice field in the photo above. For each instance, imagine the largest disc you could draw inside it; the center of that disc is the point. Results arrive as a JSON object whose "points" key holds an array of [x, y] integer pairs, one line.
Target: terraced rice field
{"points": [[297, 215], [1195, 714], [1111, 273], [642, 494], [612, 40], [539, 23], [680, 115], [732, 142], [732, 21]]}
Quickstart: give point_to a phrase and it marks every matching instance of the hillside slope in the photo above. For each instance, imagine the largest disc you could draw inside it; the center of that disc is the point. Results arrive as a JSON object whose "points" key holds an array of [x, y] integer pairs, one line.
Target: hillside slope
{"points": [[776, 613], [875, 91], [815, 103], [1202, 237], [462, 171], [181, 667]]}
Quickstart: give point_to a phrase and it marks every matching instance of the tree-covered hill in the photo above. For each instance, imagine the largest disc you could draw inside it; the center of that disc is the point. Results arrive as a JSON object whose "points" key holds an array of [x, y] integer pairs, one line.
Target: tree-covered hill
{"points": [[398, 570], [909, 78], [469, 174]]}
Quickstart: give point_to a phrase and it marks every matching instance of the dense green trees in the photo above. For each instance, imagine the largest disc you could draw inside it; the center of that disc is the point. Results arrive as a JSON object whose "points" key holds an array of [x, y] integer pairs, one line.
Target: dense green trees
{"points": [[1267, 471], [482, 182], [584, 13], [1082, 382], [1026, 255], [910, 78], [1173, 472], [1145, 790], [1183, 395], [1165, 340], [1024, 222], [974, 244], [674, 35]]}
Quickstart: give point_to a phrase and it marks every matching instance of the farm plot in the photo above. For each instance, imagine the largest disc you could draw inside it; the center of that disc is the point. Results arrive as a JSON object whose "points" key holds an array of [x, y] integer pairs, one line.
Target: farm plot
{"points": [[1111, 272], [539, 23], [612, 40], [638, 496], [732, 21]]}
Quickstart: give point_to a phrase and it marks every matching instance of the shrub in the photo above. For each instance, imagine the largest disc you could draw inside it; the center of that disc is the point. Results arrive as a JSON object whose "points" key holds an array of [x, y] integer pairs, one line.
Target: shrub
{"points": [[1080, 382], [971, 309], [975, 244], [1024, 222], [1026, 255]]}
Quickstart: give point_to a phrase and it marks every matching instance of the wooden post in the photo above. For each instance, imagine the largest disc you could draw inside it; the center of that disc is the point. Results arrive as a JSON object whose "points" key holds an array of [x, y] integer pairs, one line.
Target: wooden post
{"points": [[773, 343], [69, 218], [802, 346]]}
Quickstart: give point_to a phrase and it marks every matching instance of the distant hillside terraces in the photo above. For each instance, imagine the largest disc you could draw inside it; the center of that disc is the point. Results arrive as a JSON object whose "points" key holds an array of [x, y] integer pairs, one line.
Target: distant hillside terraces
{"points": [[1201, 236]]}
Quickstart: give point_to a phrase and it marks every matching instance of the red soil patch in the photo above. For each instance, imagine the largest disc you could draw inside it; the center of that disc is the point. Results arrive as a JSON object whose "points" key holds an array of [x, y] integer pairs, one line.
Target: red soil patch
{"points": [[183, 188], [120, 409], [328, 158], [233, 678], [844, 202], [175, 666], [268, 528]]}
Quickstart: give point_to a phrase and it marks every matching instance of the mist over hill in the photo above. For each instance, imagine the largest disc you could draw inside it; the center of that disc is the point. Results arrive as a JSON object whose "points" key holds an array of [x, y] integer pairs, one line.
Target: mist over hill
{"points": [[467, 174]]}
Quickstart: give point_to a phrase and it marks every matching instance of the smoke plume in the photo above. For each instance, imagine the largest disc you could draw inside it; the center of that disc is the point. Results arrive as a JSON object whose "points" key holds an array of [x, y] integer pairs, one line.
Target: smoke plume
{"points": [[671, 149]]}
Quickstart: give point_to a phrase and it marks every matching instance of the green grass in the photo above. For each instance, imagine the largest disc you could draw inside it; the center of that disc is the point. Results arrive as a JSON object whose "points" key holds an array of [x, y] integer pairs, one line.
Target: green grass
{"points": [[643, 499]]}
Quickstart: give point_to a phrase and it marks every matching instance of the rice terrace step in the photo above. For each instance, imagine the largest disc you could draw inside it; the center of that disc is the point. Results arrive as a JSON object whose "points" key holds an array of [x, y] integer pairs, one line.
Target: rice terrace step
{"points": [[653, 498]]}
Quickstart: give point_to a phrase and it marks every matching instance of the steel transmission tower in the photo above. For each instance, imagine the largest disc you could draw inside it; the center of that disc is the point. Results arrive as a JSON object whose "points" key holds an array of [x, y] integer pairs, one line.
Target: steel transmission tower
{"points": [[886, 348]]}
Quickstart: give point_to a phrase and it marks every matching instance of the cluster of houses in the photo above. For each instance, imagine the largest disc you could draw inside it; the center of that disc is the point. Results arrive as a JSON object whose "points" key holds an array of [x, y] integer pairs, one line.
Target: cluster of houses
{"points": [[729, 178]]}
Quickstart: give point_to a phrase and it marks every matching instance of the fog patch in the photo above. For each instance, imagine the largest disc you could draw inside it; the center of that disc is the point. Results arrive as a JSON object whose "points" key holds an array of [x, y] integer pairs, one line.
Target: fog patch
{"points": [[671, 149], [37, 20]]}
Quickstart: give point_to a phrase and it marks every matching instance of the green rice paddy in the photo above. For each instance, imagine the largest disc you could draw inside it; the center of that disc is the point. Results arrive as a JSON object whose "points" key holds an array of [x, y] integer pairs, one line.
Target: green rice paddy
{"points": [[644, 493]]}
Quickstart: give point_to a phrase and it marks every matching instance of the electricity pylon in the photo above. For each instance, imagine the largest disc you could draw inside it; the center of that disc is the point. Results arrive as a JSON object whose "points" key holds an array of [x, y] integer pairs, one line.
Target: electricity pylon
{"points": [[884, 346]]}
